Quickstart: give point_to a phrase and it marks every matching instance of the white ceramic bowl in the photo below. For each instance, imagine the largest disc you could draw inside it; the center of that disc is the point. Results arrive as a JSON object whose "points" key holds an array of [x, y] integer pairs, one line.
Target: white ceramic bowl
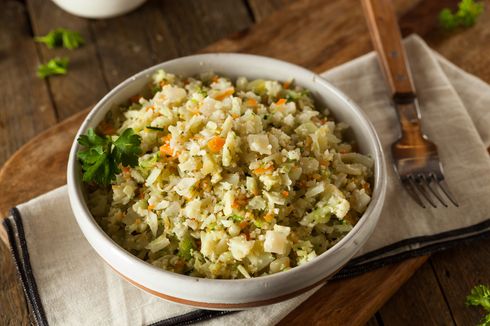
{"points": [[98, 8], [242, 293]]}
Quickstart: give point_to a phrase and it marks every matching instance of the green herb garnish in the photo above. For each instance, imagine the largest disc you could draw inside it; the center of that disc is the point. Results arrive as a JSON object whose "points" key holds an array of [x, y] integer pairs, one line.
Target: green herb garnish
{"points": [[102, 155], [56, 66], [61, 37], [236, 218], [186, 245], [480, 296], [154, 128], [466, 15]]}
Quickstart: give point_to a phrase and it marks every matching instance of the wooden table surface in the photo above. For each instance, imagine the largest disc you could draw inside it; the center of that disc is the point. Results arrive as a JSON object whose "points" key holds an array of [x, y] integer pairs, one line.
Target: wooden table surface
{"points": [[161, 30]]}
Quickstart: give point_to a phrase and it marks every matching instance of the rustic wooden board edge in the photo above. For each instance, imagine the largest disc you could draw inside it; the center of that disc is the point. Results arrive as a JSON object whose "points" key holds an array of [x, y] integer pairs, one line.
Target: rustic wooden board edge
{"points": [[11, 166]]}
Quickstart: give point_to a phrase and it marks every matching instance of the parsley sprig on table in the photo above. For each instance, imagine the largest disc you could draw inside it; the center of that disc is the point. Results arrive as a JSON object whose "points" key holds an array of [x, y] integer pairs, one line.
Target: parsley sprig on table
{"points": [[56, 66], [480, 296], [102, 155], [466, 15], [61, 37]]}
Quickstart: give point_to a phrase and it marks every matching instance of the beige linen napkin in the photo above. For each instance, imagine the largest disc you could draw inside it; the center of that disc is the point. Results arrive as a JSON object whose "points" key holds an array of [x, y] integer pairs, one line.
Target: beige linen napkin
{"points": [[66, 282]]}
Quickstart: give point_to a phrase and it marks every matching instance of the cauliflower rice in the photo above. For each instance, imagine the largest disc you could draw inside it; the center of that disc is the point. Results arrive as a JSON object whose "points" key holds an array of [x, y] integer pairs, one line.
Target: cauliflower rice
{"points": [[236, 180]]}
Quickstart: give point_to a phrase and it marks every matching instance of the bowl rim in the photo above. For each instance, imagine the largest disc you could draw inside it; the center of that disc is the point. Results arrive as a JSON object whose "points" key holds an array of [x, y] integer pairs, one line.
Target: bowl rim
{"points": [[77, 198]]}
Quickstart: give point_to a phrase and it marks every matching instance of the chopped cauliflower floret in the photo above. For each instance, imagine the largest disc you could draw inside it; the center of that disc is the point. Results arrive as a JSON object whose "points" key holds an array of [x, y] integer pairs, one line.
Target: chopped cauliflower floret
{"points": [[260, 144], [276, 242], [184, 187], [240, 247]]}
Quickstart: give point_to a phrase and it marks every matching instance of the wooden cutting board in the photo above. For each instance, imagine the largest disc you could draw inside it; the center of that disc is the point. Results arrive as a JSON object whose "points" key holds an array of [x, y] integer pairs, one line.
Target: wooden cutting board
{"points": [[40, 165]]}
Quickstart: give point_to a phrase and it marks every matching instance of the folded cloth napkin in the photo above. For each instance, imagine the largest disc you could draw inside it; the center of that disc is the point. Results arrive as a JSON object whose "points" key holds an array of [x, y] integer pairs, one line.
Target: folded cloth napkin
{"points": [[66, 283]]}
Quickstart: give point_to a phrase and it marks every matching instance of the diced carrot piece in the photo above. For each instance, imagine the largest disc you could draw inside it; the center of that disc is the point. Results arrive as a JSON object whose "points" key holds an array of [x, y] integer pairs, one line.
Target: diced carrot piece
{"points": [[235, 204], [285, 193], [166, 149], [243, 224], [264, 170], [167, 138], [316, 176], [216, 144], [281, 101], [251, 102], [324, 163], [269, 217], [224, 94]]}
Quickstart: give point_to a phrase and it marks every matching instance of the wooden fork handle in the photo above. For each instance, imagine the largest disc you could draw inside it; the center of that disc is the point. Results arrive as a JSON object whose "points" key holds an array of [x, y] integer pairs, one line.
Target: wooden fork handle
{"points": [[387, 41]]}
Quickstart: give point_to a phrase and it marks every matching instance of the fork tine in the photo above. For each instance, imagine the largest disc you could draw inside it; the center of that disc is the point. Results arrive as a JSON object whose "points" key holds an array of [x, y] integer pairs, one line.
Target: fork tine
{"points": [[410, 188], [420, 187], [428, 183], [443, 185]]}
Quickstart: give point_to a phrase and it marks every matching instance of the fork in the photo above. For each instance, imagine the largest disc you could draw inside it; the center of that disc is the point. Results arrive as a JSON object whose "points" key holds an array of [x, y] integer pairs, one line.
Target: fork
{"points": [[415, 157]]}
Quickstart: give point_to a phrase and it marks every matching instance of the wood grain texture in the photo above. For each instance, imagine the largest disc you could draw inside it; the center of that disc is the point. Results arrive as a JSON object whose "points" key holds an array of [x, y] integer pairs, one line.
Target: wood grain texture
{"points": [[12, 304], [309, 33], [458, 271], [418, 302], [386, 38], [196, 24], [24, 100], [162, 30], [261, 9], [25, 110], [373, 322], [467, 48], [353, 301], [52, 160], [84, 84], [124, 45]]}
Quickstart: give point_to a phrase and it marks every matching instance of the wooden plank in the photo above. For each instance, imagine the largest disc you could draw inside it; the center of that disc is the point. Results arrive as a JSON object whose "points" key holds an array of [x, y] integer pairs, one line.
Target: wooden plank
{"points": [[25, 110], [353, 301], [262, 9], [196, 24], [418, 302], [84, 83], [373, 322], [467, 48], [123, 44], [458, 271], [160, 31], [308, 33], [53, 160], [25, 107], [12, 304]]}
